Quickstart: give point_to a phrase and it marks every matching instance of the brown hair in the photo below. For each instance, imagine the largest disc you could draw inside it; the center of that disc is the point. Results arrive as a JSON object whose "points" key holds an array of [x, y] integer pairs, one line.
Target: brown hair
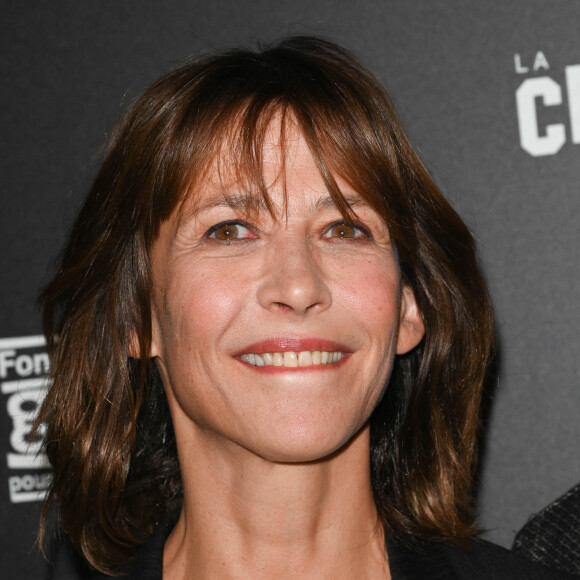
{"points": [[109, 433]]}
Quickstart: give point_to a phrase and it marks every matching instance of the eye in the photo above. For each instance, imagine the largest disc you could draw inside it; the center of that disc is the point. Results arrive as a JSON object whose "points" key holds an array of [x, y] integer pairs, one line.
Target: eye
{"points": [[346, 231], [230, 230]]}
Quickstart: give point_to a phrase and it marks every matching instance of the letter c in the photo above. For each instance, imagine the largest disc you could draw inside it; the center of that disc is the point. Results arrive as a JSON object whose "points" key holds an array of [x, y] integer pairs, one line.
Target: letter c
{"points": [[530, 139]]}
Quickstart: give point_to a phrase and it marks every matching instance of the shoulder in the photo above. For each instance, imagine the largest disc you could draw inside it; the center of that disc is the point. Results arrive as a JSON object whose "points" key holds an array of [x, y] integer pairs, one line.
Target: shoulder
{"points": [[552, 536], [476, 560], [481, 559]]}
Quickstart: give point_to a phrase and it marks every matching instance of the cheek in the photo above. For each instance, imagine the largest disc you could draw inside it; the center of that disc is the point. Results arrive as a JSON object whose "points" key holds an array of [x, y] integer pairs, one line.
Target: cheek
{"points": [[373, 291], [200, 299], [372, 301]]}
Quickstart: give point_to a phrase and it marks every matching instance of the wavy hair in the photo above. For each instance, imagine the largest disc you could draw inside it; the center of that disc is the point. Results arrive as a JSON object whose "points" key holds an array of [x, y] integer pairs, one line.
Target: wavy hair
{"points": [[109, 434]]}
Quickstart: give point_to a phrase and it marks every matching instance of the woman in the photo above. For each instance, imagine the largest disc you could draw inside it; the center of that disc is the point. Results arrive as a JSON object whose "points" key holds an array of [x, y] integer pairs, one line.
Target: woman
{"points": [[268, 336]]}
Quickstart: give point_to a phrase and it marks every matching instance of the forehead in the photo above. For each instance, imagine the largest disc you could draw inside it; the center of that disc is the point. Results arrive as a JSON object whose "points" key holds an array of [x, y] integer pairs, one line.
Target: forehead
{"points": [[255, 160], [277, 169]]}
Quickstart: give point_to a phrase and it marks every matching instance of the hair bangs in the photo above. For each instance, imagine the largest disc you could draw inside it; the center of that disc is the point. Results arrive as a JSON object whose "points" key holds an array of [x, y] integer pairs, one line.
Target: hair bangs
{"points": [[344, 130], [236, 160]]}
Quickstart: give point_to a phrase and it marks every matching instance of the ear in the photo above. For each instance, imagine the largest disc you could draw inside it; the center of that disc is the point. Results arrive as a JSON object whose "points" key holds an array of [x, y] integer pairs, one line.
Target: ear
{"points": [[411, 326]]}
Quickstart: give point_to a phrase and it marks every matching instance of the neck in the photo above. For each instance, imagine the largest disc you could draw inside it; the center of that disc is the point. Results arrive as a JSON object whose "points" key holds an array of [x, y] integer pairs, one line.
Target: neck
{"points": [[246, 517]]}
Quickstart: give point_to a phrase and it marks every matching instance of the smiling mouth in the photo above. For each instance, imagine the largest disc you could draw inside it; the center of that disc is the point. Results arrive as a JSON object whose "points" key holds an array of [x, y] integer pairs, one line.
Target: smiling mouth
{"points": [[292, 359]]}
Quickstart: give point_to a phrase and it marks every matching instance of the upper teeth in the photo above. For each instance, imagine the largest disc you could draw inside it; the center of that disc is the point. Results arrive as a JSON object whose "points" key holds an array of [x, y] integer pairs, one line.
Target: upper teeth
{"points": [[304, 358]]}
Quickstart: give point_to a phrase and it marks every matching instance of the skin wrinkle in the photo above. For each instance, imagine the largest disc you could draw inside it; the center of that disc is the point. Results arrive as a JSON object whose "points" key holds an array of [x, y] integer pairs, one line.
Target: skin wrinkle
{"points": [[289, 439], [198, 126]]}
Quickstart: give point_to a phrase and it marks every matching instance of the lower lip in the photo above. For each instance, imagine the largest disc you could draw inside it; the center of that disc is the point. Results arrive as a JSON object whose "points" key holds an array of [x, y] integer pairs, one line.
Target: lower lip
{"points": [[271, 369]]}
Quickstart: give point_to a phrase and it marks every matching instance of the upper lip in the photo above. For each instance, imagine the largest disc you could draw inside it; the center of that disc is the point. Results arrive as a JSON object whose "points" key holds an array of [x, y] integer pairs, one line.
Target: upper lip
{"points": [[295, 344]]}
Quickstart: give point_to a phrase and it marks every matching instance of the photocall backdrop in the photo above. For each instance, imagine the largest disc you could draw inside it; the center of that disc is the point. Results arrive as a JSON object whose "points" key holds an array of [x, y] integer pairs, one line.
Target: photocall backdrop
{"points": [[490, 95]]}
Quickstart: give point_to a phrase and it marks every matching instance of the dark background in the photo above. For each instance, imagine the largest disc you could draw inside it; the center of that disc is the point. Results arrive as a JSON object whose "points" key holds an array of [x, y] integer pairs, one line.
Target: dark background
{"points": [[69, 69]]}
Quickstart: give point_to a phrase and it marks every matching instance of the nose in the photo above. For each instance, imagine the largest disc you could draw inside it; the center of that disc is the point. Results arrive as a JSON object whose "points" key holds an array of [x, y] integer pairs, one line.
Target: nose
{"points": [[293, 279]]}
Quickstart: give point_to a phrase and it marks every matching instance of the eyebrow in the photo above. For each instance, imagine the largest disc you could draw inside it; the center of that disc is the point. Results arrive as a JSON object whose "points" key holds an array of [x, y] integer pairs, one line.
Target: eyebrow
{"points": [[246, 202], [253, 203], [351, 200]]}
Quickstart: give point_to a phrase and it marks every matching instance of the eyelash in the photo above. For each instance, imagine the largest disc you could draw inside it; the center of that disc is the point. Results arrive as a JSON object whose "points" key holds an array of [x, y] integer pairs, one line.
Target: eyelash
{"points": [[342, 223], [211, 233]]}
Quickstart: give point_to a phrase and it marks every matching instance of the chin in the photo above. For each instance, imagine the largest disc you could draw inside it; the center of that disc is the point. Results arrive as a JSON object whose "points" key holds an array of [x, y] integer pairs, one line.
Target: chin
{"points": [[306, 445], [298, 456]]}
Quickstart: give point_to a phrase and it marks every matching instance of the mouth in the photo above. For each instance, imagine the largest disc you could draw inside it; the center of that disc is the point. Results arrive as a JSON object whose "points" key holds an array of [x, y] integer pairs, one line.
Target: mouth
{"points": [[293, 353], [293, 359]]}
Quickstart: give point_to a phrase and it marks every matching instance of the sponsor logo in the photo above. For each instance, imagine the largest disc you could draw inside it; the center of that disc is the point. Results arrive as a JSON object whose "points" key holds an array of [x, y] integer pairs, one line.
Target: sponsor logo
{"points": [[536, 95], [23, 382]]}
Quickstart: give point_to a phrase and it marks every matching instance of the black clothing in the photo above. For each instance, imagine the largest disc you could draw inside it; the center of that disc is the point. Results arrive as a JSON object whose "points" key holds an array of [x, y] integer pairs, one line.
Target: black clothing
{"points": [[480, 560], [552, 536], [423, 561]]}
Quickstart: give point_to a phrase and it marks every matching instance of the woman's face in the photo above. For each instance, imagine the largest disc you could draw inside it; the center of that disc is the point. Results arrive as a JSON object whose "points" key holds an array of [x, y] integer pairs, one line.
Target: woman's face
{"points": [[276, 334]]}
